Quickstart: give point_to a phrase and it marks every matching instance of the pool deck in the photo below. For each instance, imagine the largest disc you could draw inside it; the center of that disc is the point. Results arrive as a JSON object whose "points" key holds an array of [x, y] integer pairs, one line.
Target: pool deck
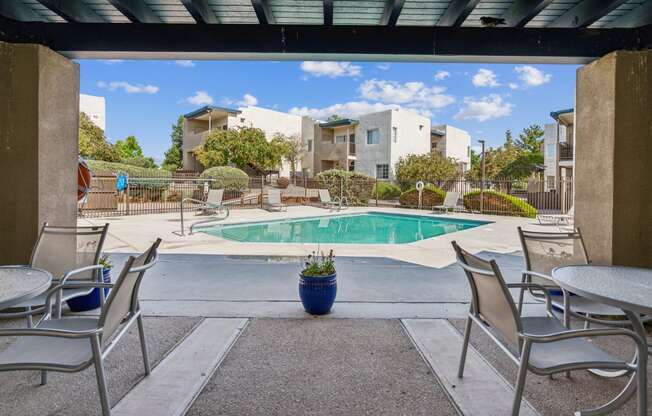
{"points": [[129, 234]]}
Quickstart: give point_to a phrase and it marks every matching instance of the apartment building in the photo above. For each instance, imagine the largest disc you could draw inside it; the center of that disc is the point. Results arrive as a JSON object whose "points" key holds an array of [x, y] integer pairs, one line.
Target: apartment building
{"points": [[95, 108], [371, 144], [451, 142], [200, 123], [558, 148]]}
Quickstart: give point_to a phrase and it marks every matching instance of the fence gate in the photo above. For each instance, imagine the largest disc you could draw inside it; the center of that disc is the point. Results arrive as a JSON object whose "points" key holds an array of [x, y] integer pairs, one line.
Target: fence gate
{"points": [[103, 194]]}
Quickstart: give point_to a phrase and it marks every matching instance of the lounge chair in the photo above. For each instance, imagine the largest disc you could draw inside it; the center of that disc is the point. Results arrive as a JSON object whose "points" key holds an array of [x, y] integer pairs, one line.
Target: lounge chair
{"points": [[450, 202], [71, 345], [213, 203], [274, 202], [539, 344], [557, 219], [334, 203]]}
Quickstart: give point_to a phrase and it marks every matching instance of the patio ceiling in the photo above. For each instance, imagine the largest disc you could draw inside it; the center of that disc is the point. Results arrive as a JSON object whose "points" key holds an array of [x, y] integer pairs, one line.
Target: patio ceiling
{"points": [[414, 30]]}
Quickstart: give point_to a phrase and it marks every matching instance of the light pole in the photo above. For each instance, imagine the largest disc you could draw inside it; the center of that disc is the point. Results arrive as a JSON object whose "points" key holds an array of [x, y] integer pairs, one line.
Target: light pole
{"points": [[482, 179]]}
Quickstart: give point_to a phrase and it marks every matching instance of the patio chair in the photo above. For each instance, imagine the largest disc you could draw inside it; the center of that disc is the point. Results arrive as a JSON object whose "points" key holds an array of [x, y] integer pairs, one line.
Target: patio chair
{"points": [[539, 344], [213, 203], [327, 202], [71, 345], [71, 254], [274, 202], [450, 202], [557, 219]]}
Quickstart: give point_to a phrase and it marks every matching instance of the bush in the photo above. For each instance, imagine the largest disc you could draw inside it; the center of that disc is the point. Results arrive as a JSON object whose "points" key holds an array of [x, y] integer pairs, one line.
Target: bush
{"points": [[227, 178], [429, 167], [499, 203], [431, 197], [358, 188], [283, 183], [100, 167], [386, 190]]}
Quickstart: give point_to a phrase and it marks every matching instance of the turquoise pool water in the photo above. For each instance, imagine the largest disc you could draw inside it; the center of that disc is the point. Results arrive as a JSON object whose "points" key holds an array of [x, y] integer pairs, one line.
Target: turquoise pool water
{"points": [[367, 228]]}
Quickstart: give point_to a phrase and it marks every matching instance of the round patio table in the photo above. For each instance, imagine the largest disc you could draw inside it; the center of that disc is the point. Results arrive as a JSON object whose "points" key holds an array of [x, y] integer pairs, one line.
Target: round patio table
{"points": [[627, 288], [20, 283]]}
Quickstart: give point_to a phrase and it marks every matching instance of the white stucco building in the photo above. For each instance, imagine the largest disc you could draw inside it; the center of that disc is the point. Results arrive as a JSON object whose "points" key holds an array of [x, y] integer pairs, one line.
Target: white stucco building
{"points": [[453, 143], [558, 146], [95, 109]]}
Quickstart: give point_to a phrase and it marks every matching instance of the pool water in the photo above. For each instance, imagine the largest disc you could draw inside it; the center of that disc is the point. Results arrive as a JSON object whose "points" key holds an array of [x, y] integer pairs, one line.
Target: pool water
{"points": [[367, 228]]}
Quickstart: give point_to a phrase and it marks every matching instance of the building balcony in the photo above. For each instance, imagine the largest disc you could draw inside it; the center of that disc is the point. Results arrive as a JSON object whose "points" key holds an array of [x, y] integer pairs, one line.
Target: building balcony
{"points": [[351, 149], [565, 151]]}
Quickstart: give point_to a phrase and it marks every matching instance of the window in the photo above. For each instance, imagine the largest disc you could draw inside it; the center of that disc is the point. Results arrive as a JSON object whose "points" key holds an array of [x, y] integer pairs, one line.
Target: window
{"points": [[382, 171], [373, 136], [340, 139], [395, 134], [310, 145]]}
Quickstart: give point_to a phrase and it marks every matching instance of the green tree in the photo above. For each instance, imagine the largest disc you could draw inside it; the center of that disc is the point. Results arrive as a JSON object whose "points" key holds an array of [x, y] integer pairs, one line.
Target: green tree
{"points": [[428, 167], [333, 117], [93, 143], [523, 166], [173, 159], [129, 148], [292, 149], [530, 139]]}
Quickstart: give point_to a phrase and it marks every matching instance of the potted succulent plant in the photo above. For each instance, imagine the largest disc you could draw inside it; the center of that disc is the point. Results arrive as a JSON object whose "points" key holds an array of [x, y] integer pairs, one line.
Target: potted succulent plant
{"points": [[318, 283], [92, 300]]}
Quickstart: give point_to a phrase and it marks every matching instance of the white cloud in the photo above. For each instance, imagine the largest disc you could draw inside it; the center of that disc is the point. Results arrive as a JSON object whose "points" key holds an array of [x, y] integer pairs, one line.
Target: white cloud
{"points": [[331, 69], [349, 109], [485, 78], [200, 98], [129, 88], [442, 75], [485, 108], [185, 63], [415, 95], [513, 86], [531, 76], [248, 100], [383, 66], [112, 61]]}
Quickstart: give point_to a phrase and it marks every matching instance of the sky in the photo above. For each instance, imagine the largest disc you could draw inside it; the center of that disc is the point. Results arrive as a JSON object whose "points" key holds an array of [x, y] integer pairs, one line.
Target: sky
{"points": [[144, 98]]}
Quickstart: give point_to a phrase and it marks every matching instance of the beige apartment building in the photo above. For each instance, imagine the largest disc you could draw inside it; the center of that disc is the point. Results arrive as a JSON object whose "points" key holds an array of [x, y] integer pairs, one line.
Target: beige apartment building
{"points": [[452, 143], [558, 148]]}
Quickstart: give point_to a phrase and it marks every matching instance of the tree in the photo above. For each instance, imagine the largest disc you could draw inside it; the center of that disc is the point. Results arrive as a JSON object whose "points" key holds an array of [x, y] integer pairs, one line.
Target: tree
{"points": [[93, 143], [428, 167], [129, 148], [530, 139], [523, 166], [333, 117], [292, 148], [173, 159]]}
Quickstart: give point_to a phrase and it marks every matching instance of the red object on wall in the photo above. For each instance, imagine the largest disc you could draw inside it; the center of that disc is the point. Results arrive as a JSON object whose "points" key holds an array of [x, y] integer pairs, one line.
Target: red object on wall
{"points": [[84, 176]]}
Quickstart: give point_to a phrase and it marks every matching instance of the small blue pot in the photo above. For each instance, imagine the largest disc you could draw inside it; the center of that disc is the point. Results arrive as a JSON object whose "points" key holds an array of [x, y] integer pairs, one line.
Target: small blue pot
{"points": [[318, 293], [92, 300]]}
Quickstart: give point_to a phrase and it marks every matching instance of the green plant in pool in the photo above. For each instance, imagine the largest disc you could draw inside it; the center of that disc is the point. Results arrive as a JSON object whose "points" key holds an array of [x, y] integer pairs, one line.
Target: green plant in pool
{"points": [[319, 265]]}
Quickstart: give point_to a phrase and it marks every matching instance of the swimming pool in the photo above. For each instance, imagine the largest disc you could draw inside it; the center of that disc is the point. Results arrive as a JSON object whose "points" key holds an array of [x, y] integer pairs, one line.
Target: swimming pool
{"points": [[365, 228]]}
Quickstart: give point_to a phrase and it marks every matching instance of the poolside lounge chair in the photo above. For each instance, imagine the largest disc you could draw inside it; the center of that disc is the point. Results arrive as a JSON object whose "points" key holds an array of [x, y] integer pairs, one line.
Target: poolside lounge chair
{"points": [[557, 219], [335, 203], [450, 202], [540, 344], [71, 345], [274, 202], [213, 202]]}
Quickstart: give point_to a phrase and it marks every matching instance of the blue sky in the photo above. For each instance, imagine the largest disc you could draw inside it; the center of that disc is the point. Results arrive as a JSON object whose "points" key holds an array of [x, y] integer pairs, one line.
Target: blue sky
{"points": [[143, 98]]}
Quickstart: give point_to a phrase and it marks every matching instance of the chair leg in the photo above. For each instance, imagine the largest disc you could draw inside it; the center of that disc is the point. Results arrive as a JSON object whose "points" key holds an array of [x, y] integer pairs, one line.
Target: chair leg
{"points": [[30, 321], [143, 344], [44, 377], [521, 295], [465, 346], [99, 374], [520, 380], [641, 374]]}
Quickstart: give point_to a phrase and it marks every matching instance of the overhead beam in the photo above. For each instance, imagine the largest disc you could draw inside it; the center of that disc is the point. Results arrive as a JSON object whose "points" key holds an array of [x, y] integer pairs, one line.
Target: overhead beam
{"points": [[263, 12], [328, 12], [19, 11], [585, 13], [457, 12], [391, 12], [201, 11], [637, 17], [136, 10], [379, 43], [522, 11], [72, 11]]}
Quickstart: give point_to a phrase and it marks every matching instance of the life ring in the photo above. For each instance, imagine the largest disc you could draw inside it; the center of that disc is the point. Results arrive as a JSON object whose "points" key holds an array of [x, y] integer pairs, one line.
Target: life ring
{"points": [[84, 176]]}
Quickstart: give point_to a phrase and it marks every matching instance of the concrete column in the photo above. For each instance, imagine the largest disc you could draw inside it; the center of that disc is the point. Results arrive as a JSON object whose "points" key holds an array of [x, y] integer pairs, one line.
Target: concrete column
{"points": [[613, 162], [39, 128]]}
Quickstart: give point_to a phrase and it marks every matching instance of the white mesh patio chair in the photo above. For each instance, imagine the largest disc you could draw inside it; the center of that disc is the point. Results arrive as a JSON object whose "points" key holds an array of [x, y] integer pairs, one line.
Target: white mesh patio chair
{"points": [[540, 344], [71, 345], [332, 203], [558, 219], [213, 203], [274, 202], [450, 202], [70, 254]]}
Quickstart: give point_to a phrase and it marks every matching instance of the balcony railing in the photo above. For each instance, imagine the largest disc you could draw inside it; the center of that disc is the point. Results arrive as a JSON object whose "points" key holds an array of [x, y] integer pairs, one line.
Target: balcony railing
{"points": [[565, 151]]}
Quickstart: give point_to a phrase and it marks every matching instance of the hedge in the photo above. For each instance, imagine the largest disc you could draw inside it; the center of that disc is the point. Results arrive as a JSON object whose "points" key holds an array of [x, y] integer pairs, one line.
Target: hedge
{"points": [[499, 203], [358, 188], [385, 191], [431, 197], [226, 177], [100, 167]]}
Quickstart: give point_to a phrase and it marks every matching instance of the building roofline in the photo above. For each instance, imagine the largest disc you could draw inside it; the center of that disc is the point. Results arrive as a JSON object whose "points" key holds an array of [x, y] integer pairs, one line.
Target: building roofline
{"points": [[208, 108], [555, 114], [437, 132], [338, 123]]}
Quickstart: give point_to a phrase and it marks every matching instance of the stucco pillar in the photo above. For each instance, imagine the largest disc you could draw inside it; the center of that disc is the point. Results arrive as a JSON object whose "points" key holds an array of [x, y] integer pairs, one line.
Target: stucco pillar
{"points": [[613, 162], [39, 127]]}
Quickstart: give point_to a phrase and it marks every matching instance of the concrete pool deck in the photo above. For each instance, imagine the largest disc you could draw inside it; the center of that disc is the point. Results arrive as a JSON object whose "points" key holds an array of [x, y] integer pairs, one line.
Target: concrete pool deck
{"points": [[130, 234]]}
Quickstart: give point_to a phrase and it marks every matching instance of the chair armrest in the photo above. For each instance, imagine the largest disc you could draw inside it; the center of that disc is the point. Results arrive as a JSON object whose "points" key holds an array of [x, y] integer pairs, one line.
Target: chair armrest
{"points": [[584, 333], [535, 286], [537, 274], [78, 271], [42, 332]]}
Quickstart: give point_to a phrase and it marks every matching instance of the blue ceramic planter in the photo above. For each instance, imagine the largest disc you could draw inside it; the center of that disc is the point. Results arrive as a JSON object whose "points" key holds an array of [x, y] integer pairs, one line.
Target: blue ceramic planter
{"points": [[92, 300], [318, 293]]}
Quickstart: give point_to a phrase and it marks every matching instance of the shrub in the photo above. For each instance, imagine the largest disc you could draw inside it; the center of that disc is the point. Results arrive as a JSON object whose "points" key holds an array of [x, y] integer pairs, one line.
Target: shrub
{"points": [[283, 183], [499, 203], [386, 190], [431, 197], [429, 167], [226, 177], [100, 167], [357, 186]]}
